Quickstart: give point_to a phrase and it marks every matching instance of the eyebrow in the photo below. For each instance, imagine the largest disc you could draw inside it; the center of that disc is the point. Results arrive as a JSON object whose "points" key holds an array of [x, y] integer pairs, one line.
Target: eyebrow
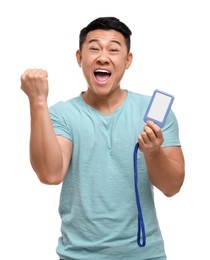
{"points": [[112, 41]]}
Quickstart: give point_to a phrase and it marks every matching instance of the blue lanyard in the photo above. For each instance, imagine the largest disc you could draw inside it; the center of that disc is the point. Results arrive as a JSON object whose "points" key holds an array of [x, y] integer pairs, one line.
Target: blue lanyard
{"points": [[141, 236]]}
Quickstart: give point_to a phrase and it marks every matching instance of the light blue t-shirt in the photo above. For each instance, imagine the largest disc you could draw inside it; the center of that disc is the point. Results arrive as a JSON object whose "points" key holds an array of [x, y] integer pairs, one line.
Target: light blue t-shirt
{"points": [[97, 203]]}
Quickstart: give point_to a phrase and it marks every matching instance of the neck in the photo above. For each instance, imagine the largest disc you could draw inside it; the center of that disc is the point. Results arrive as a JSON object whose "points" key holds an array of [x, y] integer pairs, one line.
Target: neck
{"points": [[105, 104]]}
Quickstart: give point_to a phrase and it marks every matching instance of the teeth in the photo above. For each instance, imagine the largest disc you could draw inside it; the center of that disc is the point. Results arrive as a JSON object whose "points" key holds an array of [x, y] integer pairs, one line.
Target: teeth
{"points": [[103, 71]]}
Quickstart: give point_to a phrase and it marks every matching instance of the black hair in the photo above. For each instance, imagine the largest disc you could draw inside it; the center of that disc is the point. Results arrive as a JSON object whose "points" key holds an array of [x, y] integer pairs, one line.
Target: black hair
{"points": [[106, 23]]}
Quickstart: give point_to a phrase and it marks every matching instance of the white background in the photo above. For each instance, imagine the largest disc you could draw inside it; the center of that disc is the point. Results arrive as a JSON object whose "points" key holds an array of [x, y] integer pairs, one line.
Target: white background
{"points": [[171, 47]]}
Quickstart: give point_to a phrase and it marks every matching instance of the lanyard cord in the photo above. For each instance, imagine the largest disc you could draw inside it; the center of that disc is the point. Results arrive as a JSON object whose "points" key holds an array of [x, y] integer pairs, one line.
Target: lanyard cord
{"points": [[141, 236]]}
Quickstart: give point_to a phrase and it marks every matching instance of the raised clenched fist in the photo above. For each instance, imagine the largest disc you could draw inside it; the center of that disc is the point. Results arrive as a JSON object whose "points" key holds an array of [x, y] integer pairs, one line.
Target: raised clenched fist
{"points": [[34, 82]]}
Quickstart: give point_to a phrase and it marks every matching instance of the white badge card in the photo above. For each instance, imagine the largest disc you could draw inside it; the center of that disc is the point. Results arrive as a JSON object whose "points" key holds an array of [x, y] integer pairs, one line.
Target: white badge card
{"points": [[159, 107]]}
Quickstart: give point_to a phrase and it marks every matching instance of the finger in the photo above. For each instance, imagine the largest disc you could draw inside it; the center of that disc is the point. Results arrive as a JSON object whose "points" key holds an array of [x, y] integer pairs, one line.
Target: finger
{"points": [[151, 136], [26, 72], [144, 137], [44, 73], [34, 73], [39, 73], [26, 75], [155, 128]]}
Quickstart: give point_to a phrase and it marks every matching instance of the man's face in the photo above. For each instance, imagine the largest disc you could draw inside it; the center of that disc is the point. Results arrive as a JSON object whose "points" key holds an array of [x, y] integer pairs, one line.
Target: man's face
{"points": [[104, 58]]}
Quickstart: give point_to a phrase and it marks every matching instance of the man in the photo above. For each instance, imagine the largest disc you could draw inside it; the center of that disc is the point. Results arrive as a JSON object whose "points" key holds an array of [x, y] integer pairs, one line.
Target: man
{"points": [[87, 144]]}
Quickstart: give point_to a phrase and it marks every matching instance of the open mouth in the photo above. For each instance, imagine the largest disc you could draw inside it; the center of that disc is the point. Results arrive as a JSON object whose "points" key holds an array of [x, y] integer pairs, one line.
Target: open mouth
{"points": [[102, 75]]}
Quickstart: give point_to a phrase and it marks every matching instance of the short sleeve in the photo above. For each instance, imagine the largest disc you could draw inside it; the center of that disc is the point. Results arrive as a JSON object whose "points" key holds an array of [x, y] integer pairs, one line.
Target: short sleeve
{"points": [[171, 131], [60, 120]]}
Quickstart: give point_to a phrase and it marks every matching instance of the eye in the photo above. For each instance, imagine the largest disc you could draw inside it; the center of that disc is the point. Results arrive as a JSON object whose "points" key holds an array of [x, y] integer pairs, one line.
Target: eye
{"points": [[94, 48], [114, 50]]}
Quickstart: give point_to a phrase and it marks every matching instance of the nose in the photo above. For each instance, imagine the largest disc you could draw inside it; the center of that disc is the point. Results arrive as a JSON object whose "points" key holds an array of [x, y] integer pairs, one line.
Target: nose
{"points": [[103, 57]]}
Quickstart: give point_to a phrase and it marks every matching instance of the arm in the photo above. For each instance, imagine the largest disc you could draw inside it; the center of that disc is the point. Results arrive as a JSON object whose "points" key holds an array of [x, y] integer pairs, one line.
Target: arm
{"points": [[165, 165], [50, 155]]}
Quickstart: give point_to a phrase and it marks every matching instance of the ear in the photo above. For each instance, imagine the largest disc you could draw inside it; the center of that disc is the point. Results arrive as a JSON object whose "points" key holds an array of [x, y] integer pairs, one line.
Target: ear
{"points": [[79, 57], [129, 60]]}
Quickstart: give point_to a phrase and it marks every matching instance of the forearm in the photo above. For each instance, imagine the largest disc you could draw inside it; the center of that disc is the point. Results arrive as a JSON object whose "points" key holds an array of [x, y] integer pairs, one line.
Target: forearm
{"points": [[45, 152], [166, 171]]}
